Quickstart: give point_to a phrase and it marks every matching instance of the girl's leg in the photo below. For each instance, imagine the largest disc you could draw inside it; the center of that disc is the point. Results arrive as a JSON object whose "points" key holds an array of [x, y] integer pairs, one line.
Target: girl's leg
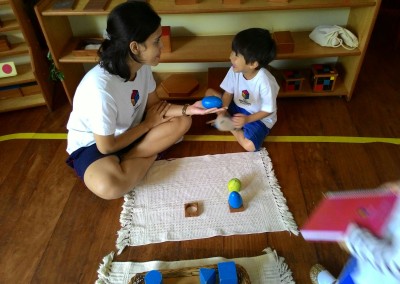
{"points": [[161, 137], [111, 178]]}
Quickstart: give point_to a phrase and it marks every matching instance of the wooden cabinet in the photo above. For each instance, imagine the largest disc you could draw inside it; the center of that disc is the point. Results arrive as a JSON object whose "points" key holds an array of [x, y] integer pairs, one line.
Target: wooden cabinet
{"points": [[31, 86], [191, 45]]}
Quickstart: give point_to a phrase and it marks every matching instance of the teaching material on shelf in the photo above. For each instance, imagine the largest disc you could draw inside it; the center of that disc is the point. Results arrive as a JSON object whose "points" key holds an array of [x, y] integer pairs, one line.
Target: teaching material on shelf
{"points": [[7, 69], [64, 5], [371, 209], [180, 85], [323, 77], [284, 42], [166, 38], [292, 80], [96, 5]]}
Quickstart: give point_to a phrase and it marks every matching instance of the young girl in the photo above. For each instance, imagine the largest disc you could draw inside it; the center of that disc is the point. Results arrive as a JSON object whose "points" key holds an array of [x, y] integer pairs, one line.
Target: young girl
{"points": [[250, 89], [118, 125]]}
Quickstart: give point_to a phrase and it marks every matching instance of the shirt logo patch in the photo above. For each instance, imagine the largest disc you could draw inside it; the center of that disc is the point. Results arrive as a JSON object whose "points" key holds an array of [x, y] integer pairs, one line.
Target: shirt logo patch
{"points": [[135, 97], [245, 94]]}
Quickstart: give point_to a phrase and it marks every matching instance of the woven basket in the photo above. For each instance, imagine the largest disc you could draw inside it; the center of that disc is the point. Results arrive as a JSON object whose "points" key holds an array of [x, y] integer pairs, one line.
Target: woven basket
{"points": [[180, 274]]}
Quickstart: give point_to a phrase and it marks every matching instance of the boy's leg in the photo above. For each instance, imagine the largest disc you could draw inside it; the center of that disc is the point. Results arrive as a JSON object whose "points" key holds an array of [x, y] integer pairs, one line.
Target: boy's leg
{"points": [[212, 92], [247, 144], [251, 136]]}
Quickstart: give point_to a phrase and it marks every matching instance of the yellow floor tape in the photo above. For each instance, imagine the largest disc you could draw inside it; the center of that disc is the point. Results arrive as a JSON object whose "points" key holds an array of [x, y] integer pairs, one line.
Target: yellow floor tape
{"points": [[227, 138]]}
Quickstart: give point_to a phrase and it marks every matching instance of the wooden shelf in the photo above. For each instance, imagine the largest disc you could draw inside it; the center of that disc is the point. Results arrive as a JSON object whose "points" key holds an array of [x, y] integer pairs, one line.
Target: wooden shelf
{"points": [[185, 49], [22, 102], [213, 6], [360, 14], [31, 86]]}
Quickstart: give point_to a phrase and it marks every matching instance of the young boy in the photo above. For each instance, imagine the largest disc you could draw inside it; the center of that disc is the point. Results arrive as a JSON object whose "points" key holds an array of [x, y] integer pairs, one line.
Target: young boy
{"points": [[250, 90]]}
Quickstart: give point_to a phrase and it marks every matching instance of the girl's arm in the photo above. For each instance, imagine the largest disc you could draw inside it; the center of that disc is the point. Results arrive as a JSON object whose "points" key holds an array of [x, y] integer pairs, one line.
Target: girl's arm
{"points": [[175, 110], [155, 115]]}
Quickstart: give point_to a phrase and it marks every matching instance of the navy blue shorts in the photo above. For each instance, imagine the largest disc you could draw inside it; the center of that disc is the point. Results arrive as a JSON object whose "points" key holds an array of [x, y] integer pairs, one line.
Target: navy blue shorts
{"points": [[82, 158], [255, 131]]}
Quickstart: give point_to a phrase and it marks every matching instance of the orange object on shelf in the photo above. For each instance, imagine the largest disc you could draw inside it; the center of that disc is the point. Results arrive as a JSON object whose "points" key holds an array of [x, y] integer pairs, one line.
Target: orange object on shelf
{"points": [[180, 85]]}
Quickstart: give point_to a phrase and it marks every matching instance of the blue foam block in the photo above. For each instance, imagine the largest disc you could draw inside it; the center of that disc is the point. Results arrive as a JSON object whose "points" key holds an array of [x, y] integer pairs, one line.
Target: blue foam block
{"points": [[227, 273], [153, 277], [207, 275]]}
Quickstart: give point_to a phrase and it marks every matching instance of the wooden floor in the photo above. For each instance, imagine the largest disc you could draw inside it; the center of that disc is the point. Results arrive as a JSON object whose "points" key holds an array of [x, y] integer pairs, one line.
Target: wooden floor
{"points": [[53, 230]]}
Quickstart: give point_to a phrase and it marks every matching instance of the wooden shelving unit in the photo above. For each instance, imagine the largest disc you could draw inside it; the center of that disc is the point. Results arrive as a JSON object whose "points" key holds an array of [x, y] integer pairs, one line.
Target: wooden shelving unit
{"points": [[31, 86], [61, 39]]}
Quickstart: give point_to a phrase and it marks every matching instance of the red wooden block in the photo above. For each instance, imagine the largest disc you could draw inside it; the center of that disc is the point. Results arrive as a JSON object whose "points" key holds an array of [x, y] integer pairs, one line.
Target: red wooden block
{"points": [[284, 42], [166, 39]]}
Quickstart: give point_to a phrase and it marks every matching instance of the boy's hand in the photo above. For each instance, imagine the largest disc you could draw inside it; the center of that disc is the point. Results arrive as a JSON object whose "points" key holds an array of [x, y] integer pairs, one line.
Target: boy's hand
{"points": [[239, 120]]}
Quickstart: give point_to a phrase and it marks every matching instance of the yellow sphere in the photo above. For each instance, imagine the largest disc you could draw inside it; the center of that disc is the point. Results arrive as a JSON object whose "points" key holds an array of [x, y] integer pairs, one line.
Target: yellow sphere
{"points": [[234, 185]]}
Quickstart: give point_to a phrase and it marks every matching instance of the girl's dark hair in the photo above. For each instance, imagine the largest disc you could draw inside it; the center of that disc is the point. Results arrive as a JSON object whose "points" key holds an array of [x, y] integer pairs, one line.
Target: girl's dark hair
{"points": [[127, 22], [255, 44]]}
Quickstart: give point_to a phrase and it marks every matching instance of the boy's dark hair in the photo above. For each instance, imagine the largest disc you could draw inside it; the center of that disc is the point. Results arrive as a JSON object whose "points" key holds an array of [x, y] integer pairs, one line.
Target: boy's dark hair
{"points": [[127, 22], [255, 44]]}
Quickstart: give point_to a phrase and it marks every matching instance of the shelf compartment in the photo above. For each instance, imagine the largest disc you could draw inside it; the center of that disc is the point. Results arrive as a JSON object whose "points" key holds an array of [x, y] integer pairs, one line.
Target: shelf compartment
{"points": [[217, 75], [212, 6], [17, 103], [185, 49], [9, 25], [16, 49], [25, 75]]}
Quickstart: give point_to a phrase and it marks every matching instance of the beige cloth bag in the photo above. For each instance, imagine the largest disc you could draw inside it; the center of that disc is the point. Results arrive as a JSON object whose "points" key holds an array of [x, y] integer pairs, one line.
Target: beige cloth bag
{"points": [[334, 36]]}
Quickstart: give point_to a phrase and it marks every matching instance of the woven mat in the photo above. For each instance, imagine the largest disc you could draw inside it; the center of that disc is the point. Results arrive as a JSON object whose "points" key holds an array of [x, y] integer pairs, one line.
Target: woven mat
{"points": [[267, 268], [154, 211]]}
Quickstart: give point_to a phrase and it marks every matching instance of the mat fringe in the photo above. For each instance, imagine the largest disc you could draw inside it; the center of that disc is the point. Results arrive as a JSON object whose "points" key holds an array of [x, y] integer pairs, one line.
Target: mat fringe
{"points": [[287, 216], [126, 221], [104, 270]]}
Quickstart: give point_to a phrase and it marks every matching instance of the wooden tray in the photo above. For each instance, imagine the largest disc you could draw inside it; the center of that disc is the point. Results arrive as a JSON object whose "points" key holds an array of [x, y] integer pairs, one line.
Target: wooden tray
{"points": [[189, 275]]}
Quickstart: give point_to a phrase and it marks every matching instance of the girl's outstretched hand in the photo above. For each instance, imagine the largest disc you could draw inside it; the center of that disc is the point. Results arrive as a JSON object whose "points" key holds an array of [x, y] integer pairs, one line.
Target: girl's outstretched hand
{"points": [[198, 109]]}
